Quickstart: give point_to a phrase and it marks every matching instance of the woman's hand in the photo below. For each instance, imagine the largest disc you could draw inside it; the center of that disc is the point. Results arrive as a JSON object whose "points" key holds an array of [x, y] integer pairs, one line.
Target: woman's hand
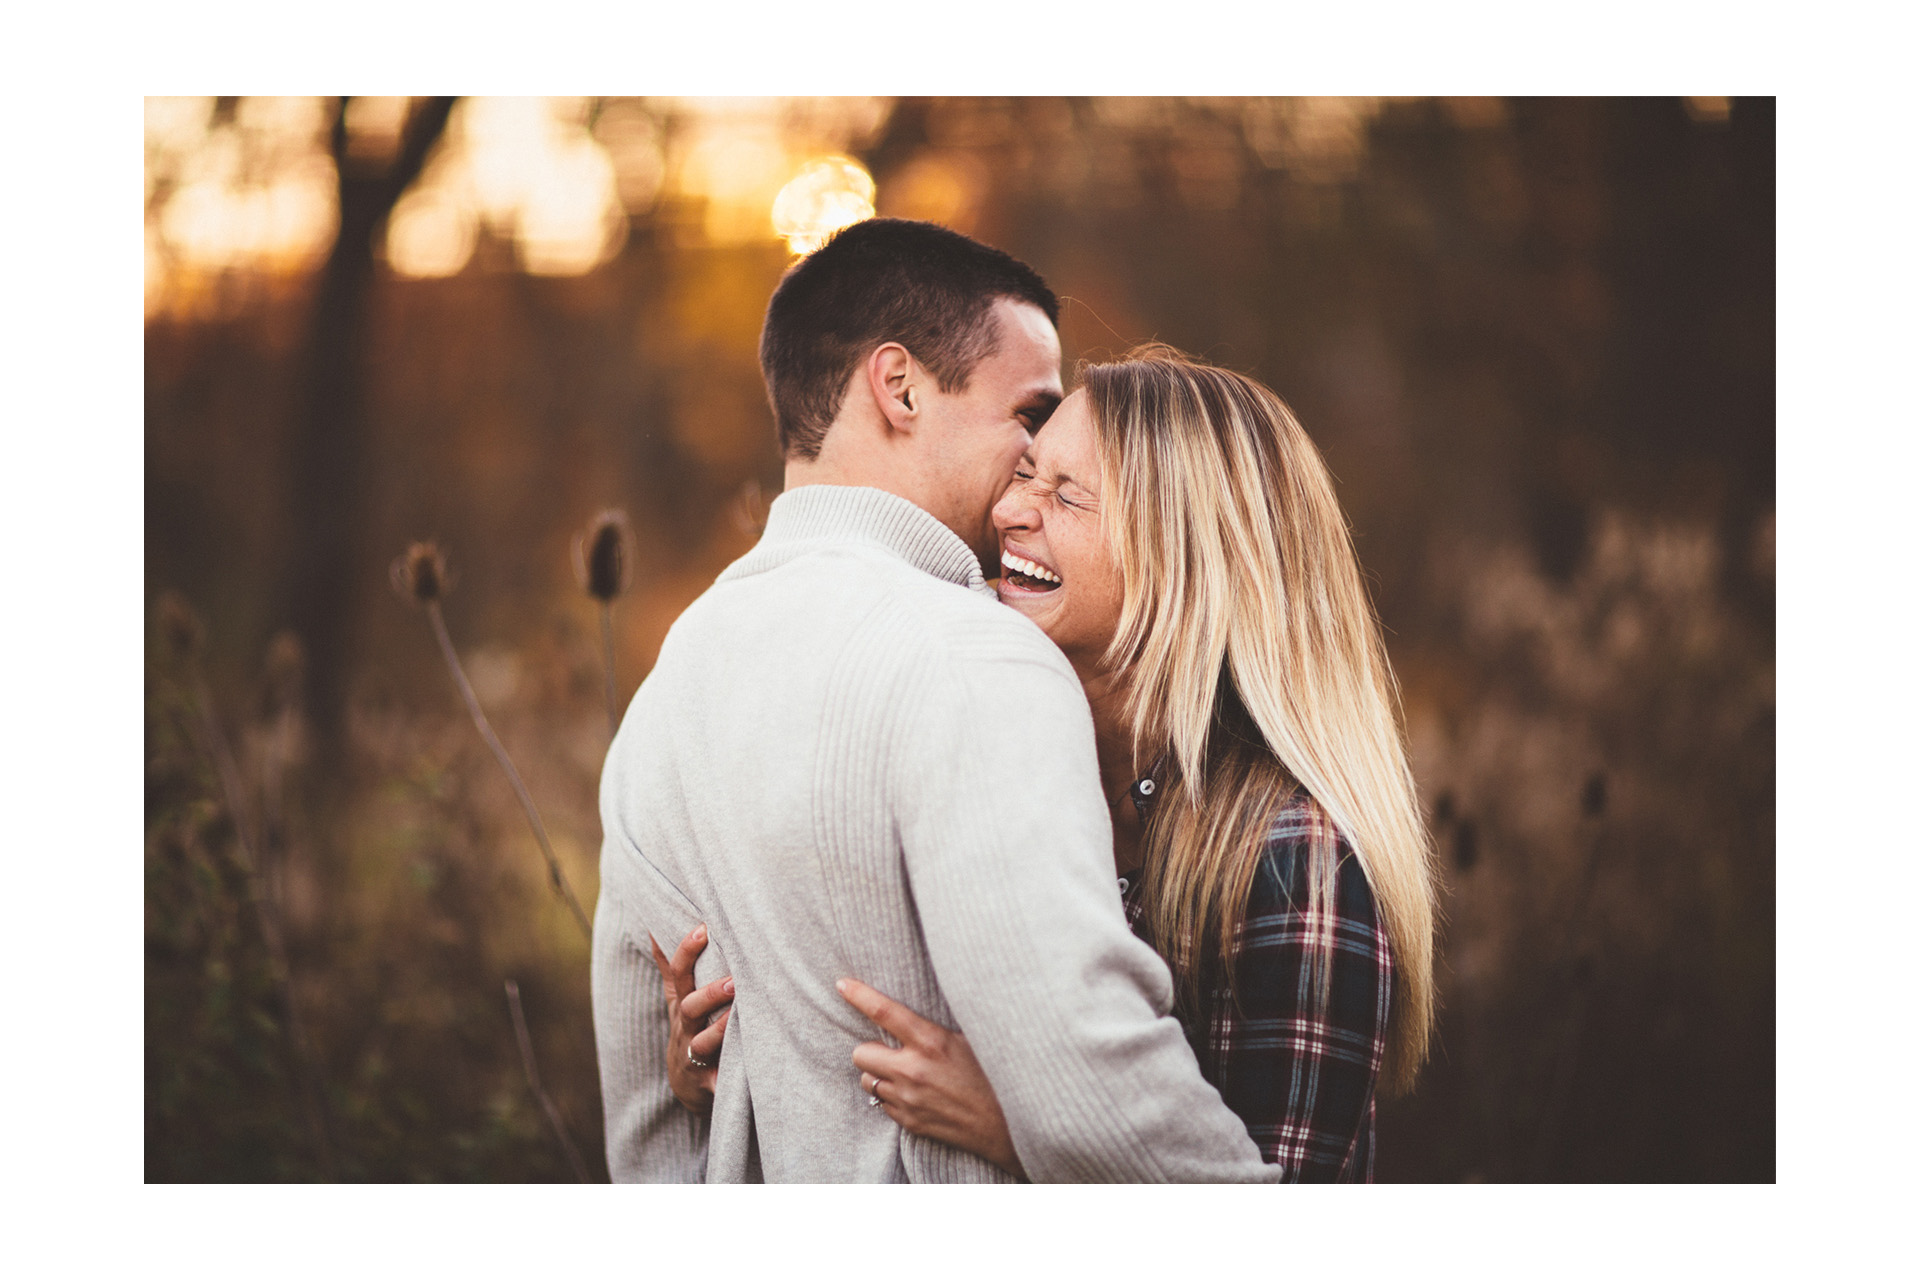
{"points": [[693, 1047], [931, 1085]]}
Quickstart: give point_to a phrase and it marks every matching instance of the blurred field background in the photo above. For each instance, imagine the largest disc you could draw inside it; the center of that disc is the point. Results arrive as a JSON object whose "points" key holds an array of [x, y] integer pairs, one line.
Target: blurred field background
{"points": [[1534, 338]]}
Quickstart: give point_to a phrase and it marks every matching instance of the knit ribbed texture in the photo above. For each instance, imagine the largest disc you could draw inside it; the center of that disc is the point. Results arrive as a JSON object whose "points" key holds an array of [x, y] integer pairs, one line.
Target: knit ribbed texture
{"points": [[821, 515], [850, 761]]}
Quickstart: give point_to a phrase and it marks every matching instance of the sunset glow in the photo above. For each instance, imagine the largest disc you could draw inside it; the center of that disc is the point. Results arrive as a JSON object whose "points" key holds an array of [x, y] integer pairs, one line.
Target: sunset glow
{"points": [[528, 169], [826, 195], [244, 188], [251, 191]]}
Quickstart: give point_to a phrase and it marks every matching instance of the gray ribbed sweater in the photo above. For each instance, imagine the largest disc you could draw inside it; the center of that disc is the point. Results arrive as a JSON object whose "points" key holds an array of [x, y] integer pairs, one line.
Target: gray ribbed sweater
{"points": [[850, 760]]}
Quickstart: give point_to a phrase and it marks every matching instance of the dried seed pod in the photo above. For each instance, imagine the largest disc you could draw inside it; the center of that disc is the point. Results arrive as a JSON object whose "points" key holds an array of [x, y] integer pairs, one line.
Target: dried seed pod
{"points": [[420, 573], [603, 556]]}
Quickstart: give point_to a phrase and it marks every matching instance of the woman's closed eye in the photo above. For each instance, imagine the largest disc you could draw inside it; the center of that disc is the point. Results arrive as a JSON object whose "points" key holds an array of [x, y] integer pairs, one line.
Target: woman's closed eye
{"points": [[1053, 491], [1058, 491]]}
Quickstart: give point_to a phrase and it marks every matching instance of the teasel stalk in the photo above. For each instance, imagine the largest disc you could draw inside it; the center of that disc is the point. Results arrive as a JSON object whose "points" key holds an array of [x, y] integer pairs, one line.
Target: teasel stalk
{"points": [[420, 575], [603, 562], [547, 1104], [182, 636]]}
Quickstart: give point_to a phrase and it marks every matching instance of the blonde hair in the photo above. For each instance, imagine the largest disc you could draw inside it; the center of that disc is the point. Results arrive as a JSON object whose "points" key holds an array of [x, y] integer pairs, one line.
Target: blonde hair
{"points": [[1251, 650]]}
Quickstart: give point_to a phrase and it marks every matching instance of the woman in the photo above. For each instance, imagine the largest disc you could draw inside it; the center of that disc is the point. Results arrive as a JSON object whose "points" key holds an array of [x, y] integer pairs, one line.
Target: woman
{"points": [[1175, 532]]}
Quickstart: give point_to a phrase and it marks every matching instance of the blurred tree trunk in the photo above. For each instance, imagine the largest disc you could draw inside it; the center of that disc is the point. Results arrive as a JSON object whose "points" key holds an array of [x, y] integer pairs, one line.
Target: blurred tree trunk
{"points": [[326, 480]]}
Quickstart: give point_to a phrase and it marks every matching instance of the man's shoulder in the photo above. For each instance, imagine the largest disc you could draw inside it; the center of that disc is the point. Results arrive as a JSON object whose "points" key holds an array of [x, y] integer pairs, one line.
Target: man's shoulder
{"points": [[952, 625], [861, 586]]}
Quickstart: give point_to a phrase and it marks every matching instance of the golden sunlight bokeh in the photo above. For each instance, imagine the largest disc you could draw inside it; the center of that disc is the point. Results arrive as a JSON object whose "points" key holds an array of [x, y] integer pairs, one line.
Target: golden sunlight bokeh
{"points": [[244, 191], [735, 162], [826, 195], [529, 169], [734, 158], [431, 233], [247, 187]]}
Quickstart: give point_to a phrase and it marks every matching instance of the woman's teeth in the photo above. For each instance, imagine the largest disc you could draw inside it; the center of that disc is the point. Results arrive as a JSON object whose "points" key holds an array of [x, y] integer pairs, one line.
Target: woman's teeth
{"points": [[1028, 568]]}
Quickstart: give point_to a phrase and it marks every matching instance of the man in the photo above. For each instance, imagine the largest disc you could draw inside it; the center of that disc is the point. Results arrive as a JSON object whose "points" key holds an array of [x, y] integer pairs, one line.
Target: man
{"points": [[851, 760]]}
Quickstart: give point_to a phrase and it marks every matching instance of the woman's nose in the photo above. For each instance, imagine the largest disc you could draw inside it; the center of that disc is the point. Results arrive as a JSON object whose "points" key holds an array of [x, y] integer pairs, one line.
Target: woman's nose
{"points": [[1013, 511]]}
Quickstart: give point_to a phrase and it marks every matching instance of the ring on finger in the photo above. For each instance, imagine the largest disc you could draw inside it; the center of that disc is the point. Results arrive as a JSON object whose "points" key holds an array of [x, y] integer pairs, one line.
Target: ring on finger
{"points": [[874, 1090], [698, 1064]]}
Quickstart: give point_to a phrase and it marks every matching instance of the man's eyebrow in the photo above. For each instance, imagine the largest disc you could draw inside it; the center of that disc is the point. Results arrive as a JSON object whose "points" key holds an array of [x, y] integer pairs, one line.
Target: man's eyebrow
{"points": [[1043, 401]]}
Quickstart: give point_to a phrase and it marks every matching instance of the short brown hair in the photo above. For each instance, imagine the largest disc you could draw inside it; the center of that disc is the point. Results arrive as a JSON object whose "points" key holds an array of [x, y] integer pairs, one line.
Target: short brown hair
{"points": [[883, 280]]}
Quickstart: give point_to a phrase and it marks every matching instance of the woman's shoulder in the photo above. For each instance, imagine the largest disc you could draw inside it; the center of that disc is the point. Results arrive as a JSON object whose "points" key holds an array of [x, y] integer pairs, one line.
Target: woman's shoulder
{"points": [[1280, 883], [1284, 948]]}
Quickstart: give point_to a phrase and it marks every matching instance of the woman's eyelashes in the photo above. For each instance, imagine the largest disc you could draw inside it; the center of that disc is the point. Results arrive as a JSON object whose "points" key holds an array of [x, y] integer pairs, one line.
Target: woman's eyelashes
{"points": [[1050, 491], [1058, 493]]}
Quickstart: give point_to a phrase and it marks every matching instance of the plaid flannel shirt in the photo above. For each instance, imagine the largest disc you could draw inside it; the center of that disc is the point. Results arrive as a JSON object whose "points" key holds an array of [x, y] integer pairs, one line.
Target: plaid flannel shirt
{"points": [[1303, 1084]]}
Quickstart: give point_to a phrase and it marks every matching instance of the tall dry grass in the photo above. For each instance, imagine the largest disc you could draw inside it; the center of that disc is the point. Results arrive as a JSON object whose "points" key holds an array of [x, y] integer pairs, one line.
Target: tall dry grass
{"points": [[404, 895]]}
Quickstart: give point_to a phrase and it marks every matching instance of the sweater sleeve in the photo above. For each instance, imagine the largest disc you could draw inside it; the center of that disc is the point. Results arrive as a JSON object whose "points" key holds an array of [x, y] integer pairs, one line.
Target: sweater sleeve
{"points": [[1008, 851], [650, 1136]]}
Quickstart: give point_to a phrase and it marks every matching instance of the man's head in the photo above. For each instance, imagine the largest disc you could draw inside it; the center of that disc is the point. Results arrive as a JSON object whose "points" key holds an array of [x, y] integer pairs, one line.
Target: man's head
{"points": [[909, 357]]}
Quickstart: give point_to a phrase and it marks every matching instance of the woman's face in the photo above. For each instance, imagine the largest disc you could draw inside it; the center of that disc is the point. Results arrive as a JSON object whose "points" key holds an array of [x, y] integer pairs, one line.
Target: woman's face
{"points": [[1058, 569]]}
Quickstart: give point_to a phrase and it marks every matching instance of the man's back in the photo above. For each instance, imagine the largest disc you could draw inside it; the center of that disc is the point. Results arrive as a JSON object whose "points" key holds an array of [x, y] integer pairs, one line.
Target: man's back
{"points": [[847, 763]]}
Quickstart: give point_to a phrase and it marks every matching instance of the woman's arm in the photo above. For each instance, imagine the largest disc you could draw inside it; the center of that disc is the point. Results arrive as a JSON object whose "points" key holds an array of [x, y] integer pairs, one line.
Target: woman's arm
{"points": [[931, 1085], [1299, 1073]]}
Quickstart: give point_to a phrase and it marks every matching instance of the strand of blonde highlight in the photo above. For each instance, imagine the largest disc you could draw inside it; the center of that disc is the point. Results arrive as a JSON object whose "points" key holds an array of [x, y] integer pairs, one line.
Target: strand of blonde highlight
{"points": [[1317, 686]]}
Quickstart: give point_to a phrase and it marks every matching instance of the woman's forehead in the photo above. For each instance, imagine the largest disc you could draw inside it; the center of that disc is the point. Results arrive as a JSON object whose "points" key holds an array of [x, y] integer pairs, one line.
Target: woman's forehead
{"points": [[1063, 450]]}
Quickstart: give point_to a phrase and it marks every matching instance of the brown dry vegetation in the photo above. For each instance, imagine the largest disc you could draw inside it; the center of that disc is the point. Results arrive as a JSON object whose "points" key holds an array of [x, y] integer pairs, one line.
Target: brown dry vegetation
{"points": [[1533, 339]]}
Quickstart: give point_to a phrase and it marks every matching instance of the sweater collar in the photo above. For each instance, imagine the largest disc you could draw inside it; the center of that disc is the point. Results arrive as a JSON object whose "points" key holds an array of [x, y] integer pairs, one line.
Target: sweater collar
{"points": [[817, 513]]}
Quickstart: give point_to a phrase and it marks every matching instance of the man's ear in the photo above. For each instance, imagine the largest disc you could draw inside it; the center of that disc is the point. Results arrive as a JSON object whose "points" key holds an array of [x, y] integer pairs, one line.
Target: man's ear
{"points": [[893, 379]]}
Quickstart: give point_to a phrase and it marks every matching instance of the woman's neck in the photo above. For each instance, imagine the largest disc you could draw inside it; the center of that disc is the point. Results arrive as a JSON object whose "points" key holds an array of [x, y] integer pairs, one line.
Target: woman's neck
{"points": [[1119, 769]]}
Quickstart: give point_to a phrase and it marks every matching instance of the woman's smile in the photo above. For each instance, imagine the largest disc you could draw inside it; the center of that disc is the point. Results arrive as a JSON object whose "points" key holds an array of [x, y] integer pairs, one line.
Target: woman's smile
{"points": [[1059, 569], [1028, 575]]}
